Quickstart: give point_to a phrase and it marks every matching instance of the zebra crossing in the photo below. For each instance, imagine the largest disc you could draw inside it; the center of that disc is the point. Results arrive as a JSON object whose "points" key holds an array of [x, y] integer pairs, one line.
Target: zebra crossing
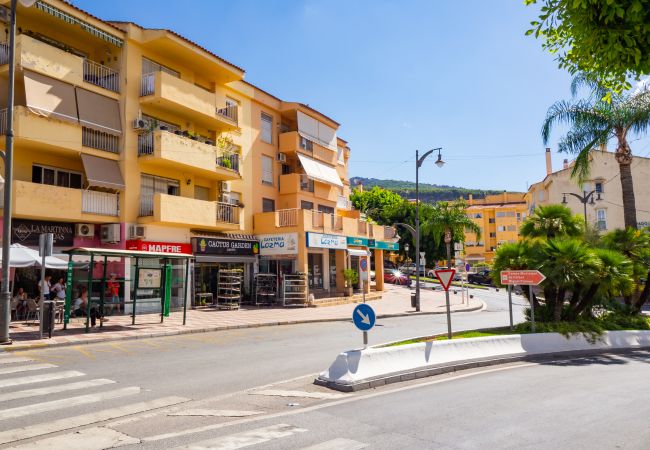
{"points": [[37, 399]]}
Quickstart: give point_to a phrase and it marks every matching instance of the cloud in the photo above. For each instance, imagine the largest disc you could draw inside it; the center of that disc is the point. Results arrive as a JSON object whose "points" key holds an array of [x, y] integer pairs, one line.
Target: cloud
{"points": [[642, 85]]}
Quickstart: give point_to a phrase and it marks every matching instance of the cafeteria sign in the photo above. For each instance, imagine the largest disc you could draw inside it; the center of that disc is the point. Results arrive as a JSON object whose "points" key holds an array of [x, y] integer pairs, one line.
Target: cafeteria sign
{"points": [[279, 244], [218, 246]]}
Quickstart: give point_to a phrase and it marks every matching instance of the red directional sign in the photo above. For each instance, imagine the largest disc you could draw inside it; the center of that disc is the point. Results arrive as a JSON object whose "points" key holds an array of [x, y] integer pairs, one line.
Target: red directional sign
{"points": [[445, 276], [522, 277]]}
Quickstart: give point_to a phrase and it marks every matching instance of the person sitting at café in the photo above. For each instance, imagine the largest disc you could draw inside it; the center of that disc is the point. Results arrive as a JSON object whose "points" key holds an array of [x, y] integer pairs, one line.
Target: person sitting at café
{"points": [[81, 306], [21, 303]]}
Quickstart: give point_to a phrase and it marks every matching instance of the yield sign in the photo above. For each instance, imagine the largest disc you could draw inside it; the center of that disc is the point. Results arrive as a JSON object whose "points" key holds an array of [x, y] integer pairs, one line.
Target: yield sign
{"points": [[445, 276], [522, 277]]}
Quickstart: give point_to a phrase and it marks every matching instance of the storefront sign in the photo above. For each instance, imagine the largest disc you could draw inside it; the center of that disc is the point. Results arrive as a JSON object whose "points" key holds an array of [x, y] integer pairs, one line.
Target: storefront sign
{"points": [[220, 246], [380, 245], [162, 247], [318, 240], [372, 243], [279, 244], [357, 241], [26, 232]]}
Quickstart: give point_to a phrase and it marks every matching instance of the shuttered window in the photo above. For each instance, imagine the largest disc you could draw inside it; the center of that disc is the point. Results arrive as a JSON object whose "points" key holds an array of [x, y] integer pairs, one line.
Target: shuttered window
{"points": [[267, 170]]}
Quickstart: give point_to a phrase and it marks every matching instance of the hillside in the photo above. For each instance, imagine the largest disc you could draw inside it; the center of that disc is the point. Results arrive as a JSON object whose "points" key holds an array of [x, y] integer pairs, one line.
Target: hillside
{"points": [[429, 193]]}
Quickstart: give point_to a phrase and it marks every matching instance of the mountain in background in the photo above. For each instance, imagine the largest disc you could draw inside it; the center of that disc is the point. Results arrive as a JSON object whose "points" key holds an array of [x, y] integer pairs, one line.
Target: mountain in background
{"points": [[429, 193]]}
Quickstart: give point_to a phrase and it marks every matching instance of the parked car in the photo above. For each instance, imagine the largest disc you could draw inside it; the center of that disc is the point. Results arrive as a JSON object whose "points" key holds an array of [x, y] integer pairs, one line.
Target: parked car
{"points": [[432, 274], [388, 264], [482, 277], [372, 275], [409, 269], [394, 276]]}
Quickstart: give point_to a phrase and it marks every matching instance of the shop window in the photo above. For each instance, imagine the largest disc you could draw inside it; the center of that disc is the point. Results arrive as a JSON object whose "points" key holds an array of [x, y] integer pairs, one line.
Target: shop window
{"points": [[268, 205], [315, 268], [306, 205], [56, 177], [332, 258]]}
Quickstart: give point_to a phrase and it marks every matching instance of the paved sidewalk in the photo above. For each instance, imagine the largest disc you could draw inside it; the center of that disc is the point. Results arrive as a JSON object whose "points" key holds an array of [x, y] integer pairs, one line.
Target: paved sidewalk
{"points": [[395, 302]]}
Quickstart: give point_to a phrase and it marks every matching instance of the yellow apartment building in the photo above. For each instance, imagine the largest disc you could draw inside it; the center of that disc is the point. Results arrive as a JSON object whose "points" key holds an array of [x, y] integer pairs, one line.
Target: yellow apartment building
{"points": [[499, 217], [137, 138]]}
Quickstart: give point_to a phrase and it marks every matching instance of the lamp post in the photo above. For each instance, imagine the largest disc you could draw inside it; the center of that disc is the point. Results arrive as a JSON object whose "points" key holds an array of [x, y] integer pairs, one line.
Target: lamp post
{"points": [[5, 297], [584, 199]]}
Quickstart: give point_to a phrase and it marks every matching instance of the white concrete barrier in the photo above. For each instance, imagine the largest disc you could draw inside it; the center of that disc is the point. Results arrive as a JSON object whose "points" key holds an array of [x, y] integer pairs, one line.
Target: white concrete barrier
{"points": [[374, 366]]}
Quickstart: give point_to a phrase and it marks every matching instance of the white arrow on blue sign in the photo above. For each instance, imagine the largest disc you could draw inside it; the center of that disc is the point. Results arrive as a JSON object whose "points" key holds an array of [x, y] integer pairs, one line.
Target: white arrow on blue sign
{"points": [[363, 317]]}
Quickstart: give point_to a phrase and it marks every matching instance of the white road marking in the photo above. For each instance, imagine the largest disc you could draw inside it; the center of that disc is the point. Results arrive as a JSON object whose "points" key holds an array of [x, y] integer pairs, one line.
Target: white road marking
{"points": [[68, 402], [17, 369], [13, 359], [245, 439], [338, 444], [39, 378], [67, 423], [303, 394], [96, 438], [54, 389], [214, 413]]}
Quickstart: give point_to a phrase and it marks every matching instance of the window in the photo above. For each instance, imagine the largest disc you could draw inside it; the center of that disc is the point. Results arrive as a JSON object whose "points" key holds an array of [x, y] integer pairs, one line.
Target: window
{"points": [[599, 187], [149, 66], [56, 177], [306, 184], [518, 217], [491, 220], [601, 217], [500, 214], [306, 205], [267, 128], [231, 102], [268, 205], [235, 198], [151, 185], [511, 228], [540, 196], [326, 209], [202, 193], [306, 144], [493, 235], [501, 228], [267, 170], [340, 155]]}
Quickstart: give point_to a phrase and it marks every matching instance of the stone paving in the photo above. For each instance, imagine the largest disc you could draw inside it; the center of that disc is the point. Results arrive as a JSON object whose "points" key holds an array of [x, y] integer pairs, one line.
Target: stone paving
{"points": [[395, 302]]}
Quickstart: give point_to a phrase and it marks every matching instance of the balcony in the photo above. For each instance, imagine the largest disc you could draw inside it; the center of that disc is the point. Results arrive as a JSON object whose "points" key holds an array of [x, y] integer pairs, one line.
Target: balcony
{"points": [[35, 201], [297, 183], [167, 149], [48, 60], [292, 142], [173, 210], [177, 96]]}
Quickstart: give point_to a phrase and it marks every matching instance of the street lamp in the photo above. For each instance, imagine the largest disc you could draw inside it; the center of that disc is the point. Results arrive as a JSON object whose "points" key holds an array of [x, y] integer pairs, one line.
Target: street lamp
{"points": [[584, 199], [5, 297]]}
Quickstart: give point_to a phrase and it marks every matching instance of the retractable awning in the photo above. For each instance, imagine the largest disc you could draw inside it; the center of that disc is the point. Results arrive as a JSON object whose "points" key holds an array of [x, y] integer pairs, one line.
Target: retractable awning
{"points": [[357, 252], [320, 172], [48, 97], [99, 112], [102, 172]]}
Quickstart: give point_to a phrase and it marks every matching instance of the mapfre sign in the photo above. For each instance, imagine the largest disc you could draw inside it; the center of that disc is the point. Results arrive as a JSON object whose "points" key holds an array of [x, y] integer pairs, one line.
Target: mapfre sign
{"points": [[162, 247], [522, 277]]}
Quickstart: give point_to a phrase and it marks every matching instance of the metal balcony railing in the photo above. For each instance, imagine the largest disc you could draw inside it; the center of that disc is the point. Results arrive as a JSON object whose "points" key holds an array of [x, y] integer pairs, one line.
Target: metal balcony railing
{"points": [[287, 217], [145, 144], [229, 162], [100, 140], [317, 220], [4, 53], [96, 202], [147, 84], [3, 121], [363, 227], [227, 212], [102, 76], [229, 112]]}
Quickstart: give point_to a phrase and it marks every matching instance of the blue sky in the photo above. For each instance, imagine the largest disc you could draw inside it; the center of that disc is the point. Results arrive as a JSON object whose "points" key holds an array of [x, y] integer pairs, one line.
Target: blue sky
{"points": [[398, 75]]}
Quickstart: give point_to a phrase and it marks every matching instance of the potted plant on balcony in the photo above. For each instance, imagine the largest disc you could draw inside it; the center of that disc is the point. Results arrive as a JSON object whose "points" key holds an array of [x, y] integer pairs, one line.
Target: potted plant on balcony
{"points": [[178, 132], [163, 128], [351, 277]]}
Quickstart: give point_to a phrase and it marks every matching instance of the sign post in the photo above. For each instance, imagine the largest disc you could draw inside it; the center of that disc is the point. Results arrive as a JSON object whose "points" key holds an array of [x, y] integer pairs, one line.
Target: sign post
{"points": [[45, 242], [528, 278], [363, 317], [363, 264], [446, 276]]}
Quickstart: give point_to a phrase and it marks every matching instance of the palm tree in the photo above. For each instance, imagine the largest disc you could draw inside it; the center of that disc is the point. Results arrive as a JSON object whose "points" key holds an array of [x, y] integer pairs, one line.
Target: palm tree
{"points": [[552, 221], [449, 219], [595, 120]]}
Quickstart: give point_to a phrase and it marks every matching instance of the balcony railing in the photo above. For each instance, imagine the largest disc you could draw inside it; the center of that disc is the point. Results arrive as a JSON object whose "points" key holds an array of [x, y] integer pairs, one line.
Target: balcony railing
{"points": [[147, 84], [317, 220], [229, 112], [363, 227], [343, 203], [229, 162], [227, 213], [145, 144], [4, 53], [100, 140], [3, 121], [287, 217], [96, 202], [101, 76]]}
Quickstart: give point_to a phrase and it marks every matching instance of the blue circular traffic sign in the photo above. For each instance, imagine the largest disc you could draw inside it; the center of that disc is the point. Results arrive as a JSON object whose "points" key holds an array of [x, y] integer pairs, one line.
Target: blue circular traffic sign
{"points": [[364, 265], [363, 317], [467, 267]]}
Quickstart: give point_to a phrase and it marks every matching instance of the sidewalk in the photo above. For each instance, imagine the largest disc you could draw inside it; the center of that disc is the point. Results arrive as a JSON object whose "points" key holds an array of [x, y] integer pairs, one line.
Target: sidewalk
{"points": [[396, 302]]}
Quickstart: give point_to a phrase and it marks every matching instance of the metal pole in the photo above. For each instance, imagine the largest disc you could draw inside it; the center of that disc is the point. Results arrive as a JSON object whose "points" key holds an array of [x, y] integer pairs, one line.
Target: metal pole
{"points": [[448, 314], [5, 300], [365, 339], [417, 231], [185, 286], [510, 305], [89, 288], [102, 294], [584, 203], [135, 290], [42, 298], [532, 308]]}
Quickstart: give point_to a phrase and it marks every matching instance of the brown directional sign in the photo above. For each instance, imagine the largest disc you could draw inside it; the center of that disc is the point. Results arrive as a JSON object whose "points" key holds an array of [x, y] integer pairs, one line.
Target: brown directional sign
{"points": [[522, 277]]}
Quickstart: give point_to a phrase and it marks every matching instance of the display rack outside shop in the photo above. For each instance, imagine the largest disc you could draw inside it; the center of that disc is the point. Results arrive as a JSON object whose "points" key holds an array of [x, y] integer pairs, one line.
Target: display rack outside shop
{"points": [[229, 289], [265, 288], [295, 290]]}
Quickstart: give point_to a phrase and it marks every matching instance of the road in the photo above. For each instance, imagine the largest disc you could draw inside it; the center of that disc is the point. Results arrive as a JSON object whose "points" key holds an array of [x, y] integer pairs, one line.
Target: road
{"points": [[78, 384]]}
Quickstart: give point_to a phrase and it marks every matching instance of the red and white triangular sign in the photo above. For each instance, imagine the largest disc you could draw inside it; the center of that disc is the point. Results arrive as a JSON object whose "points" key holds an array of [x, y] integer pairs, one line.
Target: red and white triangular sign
{"points": [[445, 276]]}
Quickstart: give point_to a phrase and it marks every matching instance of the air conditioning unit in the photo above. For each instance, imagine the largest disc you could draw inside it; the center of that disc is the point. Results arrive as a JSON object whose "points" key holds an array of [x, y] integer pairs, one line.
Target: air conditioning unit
{"points": [[225, 186], [110, 233], [84, 230], [281, 158], [141, 124], [137, 232]]}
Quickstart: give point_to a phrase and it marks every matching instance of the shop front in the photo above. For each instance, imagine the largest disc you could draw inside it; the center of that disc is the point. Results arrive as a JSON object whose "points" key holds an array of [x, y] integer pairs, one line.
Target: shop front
{"points": [[323, 264], [359, 248], [227, 255], [278, 254]]}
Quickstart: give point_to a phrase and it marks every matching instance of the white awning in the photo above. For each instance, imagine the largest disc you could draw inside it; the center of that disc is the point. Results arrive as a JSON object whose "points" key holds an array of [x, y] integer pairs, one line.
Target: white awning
{"points": [[320, 172], [317, 131], [357, 252]]}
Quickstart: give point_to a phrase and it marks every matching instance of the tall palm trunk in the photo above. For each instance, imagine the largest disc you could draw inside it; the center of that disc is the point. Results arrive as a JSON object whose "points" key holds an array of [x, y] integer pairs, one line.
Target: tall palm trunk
{"points": [[624, 159]]}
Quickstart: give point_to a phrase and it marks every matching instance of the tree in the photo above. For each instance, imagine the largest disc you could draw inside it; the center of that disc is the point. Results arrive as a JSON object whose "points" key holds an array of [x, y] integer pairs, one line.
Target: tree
{"points": [[608, 40], [377, 203], [551, 221], [449, 220], [592, 122]]}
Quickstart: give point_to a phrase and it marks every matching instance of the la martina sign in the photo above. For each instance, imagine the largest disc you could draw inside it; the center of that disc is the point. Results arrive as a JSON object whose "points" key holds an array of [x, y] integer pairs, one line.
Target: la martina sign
{"points": [[26, 232]]}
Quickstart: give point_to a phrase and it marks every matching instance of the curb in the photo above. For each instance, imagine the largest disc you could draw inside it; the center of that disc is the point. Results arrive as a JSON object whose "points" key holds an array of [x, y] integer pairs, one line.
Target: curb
{"points": [[41, 345]]}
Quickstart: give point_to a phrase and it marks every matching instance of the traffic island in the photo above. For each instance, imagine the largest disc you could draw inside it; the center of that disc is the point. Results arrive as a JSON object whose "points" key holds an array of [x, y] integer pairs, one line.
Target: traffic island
{"points": [[375, 366]]}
